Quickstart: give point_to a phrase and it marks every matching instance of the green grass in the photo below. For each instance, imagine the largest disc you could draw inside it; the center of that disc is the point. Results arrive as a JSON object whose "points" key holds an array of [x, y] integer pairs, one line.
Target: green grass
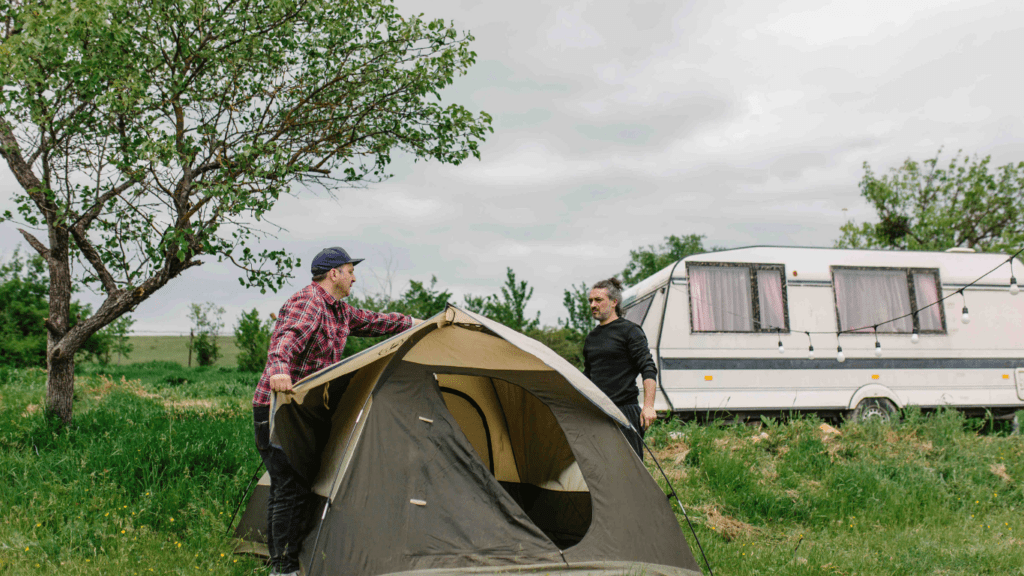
{"points": [[175, 349], [927, 495], [146, 480]]}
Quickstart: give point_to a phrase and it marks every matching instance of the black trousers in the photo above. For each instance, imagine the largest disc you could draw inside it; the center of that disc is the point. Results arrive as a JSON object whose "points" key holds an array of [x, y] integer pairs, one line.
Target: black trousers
{"points": [[288, 505], [632, 413]]}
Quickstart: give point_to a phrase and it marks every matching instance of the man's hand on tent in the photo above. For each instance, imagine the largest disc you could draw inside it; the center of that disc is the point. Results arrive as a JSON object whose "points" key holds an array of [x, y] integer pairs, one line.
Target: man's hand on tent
{"points": [[281, 383]]}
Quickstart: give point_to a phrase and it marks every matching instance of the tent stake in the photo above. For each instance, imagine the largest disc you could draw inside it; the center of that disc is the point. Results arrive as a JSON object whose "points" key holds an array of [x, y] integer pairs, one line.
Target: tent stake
{"points": [[678, 501]]}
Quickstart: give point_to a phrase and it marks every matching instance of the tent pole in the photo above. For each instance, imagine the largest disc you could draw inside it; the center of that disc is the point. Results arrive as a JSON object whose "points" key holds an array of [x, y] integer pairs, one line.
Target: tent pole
{"points": [[320, 527], [678, 501], [241, 497]]}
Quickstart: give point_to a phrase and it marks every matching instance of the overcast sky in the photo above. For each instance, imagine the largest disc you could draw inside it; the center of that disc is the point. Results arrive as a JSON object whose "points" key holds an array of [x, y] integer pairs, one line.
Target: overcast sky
{"points": [[619, 123]]}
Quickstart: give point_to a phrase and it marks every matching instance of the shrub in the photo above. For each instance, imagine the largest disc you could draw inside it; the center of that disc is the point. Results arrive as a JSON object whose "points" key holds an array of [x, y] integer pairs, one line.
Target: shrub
{"points": [[206, 325], [252, 337]]}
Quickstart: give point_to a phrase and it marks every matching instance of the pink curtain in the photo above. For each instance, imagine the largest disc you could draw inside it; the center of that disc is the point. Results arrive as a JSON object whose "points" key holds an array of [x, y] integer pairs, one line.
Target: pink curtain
{"points": [[720, 299], [769, 296], [927, 291], [865, 298]]}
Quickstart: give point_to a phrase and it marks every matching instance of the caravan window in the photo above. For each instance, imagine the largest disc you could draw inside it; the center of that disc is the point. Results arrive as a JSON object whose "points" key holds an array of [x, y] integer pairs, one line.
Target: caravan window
{"points": [[637, 311], [867, 296], [730, 297]]}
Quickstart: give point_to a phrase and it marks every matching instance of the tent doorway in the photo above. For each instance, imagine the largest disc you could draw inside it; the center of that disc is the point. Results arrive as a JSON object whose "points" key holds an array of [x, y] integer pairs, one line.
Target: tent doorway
{"points": [[520, 441]]}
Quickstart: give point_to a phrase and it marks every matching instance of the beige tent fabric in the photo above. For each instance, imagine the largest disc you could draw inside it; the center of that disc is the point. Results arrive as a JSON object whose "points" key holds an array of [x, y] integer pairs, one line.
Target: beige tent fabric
{"points": [[481, 390], [528, 444], [460, 347], [573, 376], [451, 344]]}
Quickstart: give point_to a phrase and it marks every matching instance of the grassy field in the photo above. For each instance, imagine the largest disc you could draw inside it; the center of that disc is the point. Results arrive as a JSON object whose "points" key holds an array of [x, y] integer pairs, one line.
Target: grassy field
{"points": [[147, 478], [175, 349]]}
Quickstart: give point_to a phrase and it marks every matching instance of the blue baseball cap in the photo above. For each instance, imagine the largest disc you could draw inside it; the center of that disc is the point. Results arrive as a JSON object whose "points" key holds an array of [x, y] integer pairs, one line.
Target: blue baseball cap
{"points": [[330, 258]]}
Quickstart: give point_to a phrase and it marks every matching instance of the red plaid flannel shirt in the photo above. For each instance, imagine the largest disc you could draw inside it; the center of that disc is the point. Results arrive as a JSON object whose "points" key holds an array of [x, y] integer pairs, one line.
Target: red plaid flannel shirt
{"points": [[310, 335]]}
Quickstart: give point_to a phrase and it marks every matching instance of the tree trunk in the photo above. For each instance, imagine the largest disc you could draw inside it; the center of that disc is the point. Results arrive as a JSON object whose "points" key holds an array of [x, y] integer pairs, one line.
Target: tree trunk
{"points": [[60, 387], [60, 357]]}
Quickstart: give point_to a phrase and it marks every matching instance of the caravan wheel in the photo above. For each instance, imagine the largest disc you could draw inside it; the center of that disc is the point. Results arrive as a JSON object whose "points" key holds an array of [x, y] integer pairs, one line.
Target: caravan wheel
{"points": [[879, 409]]}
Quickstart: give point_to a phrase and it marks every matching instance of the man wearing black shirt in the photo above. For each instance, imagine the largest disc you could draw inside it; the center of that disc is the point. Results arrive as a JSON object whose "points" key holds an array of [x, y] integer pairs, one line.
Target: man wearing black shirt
{"points": [[614, 353]]}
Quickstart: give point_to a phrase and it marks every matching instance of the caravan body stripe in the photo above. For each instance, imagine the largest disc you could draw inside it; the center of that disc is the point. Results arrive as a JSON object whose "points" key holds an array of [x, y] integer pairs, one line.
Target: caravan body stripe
{"points": [[831, 364]]}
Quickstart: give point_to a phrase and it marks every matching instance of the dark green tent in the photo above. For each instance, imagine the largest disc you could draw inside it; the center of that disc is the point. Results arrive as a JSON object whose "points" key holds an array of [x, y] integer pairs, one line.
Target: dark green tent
{"points": [[462, 446]]}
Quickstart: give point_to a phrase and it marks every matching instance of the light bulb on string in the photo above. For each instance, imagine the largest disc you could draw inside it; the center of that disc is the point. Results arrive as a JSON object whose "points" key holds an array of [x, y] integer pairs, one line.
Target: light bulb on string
{"points": [[840, 357], [914, 338], [878, 345], [782, 349], [966, 319], [810, 352], [1014, 289]]}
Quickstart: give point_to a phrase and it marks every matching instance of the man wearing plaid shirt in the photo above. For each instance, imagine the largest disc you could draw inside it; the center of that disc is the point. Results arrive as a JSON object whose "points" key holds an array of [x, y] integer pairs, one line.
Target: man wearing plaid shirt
{"points": [[309, 335]]}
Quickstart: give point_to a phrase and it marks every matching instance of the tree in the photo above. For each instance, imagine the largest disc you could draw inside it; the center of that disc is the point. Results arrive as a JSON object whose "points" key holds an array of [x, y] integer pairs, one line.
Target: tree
{"points": [[116, 339], [252, 337], [207, 324], [419, 301], [508, 309], [24, 291], [644, 262], [149, 136], [922, 206], [568, 341]]}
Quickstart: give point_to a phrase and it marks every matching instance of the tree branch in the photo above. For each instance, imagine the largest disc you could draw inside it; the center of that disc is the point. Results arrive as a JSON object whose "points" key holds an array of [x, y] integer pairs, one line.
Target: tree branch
{"points": [[35, 243], [32, 185], [94, 258]]}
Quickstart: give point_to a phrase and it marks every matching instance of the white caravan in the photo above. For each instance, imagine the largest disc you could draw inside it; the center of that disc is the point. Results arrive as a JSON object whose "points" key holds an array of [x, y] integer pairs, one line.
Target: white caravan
{"points": [[715, 323]]}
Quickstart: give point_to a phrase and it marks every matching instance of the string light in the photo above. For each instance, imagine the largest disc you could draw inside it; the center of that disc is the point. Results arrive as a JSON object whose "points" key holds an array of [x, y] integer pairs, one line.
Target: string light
{"points": [[915, 335], [1014, 289]]}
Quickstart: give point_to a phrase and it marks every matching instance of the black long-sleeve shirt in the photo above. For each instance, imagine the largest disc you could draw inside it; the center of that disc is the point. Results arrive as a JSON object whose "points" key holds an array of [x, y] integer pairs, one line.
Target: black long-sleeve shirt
{"points": [[613, 356]]}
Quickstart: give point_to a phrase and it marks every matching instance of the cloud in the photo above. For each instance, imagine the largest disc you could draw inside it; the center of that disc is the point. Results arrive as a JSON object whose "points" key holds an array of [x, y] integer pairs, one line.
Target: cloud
{"points": [[617, 124]]}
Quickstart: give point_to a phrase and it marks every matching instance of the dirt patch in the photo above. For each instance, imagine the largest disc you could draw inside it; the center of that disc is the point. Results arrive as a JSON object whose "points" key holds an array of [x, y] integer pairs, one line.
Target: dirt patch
{"points": [[811, 485], [30, 410], [104, 385], [676, 474], [829, 432], [759, 437], [767, 472], [1000, 470], [189, 405], [728, 528], [673, 453]]}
